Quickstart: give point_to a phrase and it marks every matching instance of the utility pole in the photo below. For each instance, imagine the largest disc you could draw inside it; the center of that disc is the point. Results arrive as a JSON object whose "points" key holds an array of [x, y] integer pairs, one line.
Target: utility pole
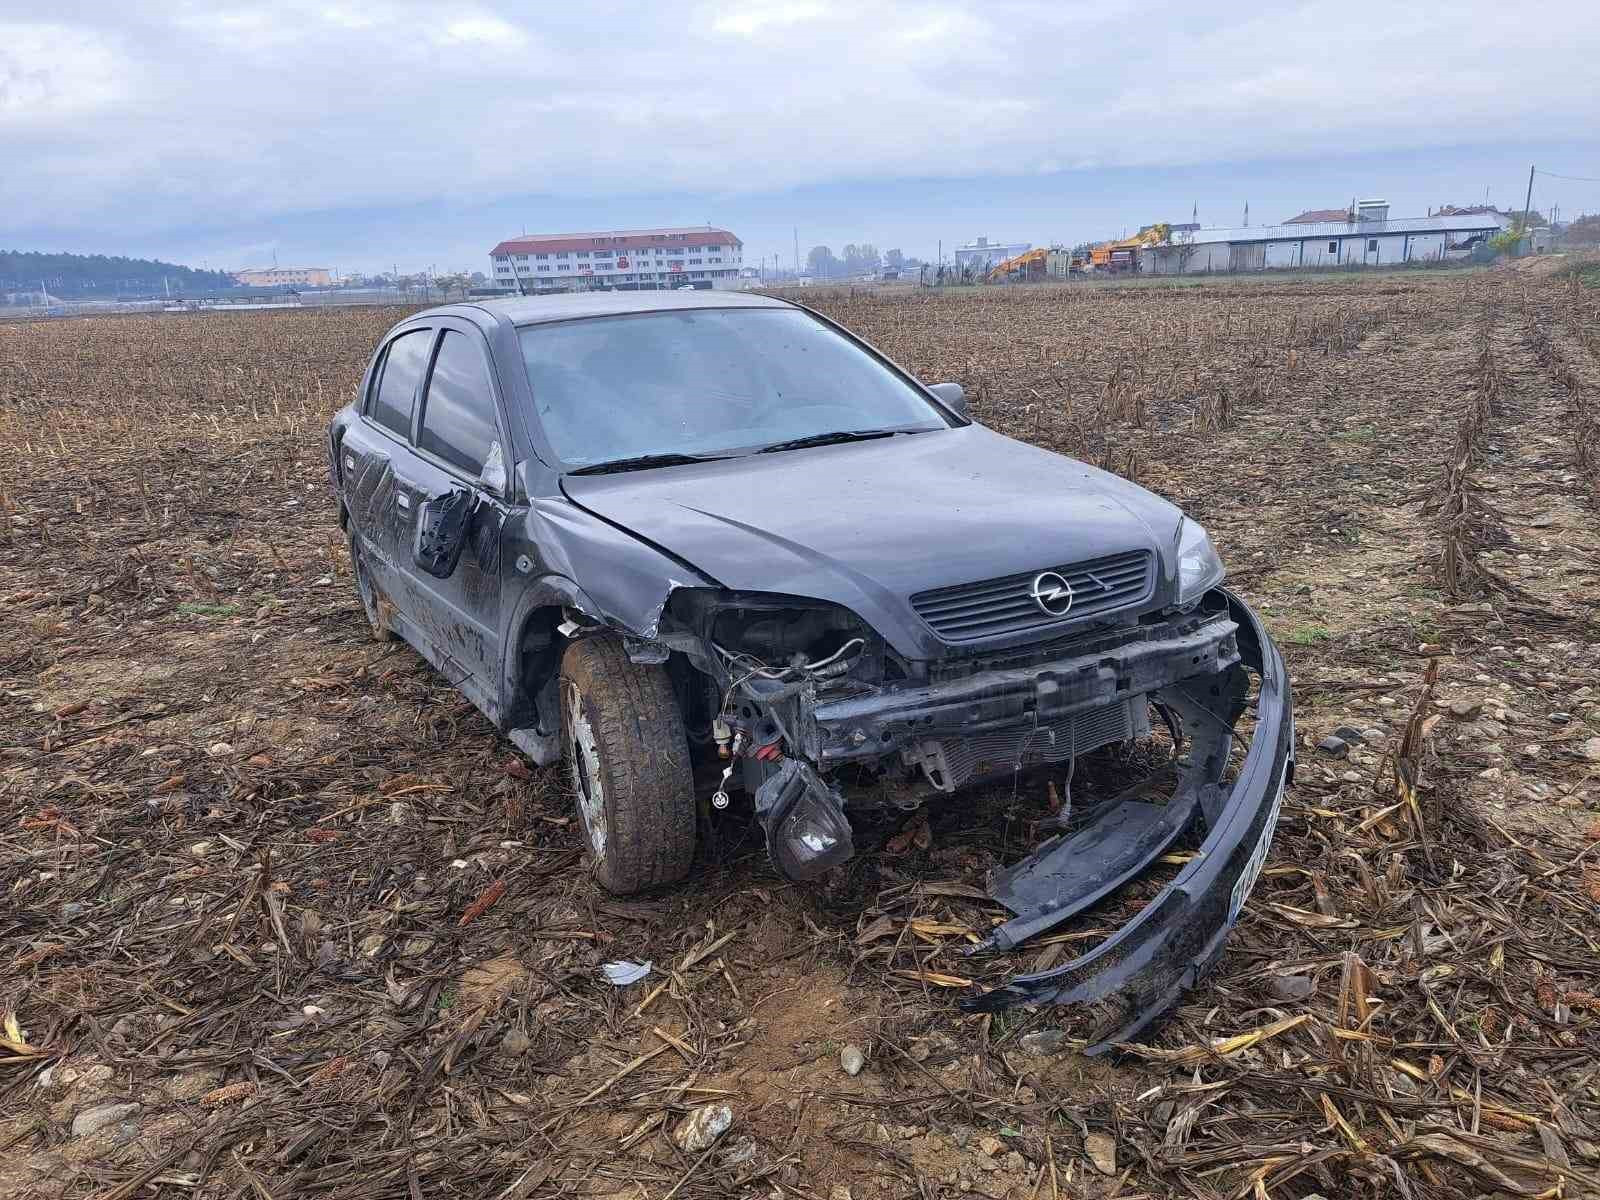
{"points": [[1527, 205]]}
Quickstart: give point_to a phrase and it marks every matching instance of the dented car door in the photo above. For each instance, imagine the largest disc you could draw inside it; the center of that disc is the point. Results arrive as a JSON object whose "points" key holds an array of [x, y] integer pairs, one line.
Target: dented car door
{"points": [[452, 488], [372, 447]]}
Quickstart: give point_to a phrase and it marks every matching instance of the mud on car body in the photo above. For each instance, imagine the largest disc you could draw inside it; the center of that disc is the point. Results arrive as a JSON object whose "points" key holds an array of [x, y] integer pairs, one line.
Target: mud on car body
{"points": [[656, 533]]}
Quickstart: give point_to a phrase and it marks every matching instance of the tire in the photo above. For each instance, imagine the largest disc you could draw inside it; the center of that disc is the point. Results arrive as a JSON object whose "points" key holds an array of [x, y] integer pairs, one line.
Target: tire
{"points": [[628, 760], [368, 592]]}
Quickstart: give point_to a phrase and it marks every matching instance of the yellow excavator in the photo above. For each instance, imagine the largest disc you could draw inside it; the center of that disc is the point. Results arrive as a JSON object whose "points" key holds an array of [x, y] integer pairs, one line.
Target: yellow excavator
{"points": [[1108, 256], [1030, 264], [1123, 255]]}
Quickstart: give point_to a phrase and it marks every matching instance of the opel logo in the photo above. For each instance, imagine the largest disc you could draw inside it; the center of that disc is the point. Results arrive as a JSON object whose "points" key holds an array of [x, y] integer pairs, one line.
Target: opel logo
{"points": [[1051, 593]]}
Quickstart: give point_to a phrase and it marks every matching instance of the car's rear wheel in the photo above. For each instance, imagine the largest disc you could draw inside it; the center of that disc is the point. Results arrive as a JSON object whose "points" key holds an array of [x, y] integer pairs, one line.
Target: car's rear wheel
{"points": [[628, 758], [368, 591]]}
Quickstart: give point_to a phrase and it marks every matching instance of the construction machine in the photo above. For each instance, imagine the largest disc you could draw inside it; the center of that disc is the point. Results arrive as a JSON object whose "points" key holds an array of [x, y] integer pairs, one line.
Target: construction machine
{"points": [[1124, 255], [1064, 262], [1030, 264]]}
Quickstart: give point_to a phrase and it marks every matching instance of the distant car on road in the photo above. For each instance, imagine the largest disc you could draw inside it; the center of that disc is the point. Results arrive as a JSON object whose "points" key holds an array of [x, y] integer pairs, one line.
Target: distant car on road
{"points": [[656, 533]]}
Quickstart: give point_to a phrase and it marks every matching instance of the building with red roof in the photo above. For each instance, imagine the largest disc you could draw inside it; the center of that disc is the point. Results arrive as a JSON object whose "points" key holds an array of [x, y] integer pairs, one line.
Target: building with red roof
{"points": [[696, 255], [1318, 216]]}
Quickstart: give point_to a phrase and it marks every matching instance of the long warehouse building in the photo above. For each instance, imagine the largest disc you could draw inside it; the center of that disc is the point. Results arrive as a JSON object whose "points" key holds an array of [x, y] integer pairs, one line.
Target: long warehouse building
{"points": [[696, 256], [1367, 238]]}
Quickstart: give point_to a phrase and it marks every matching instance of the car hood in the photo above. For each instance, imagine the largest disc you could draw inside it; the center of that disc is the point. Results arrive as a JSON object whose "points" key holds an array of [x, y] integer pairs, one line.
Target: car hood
{"points": [[870, 524]]}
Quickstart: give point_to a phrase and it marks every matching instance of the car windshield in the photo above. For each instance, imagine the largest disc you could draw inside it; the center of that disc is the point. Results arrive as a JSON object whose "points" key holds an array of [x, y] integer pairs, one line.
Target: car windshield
{"points": [[708, 382]]}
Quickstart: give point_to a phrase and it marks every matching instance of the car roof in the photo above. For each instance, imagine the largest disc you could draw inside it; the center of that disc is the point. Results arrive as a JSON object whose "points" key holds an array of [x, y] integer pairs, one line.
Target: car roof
{"points": [[535, 310]]}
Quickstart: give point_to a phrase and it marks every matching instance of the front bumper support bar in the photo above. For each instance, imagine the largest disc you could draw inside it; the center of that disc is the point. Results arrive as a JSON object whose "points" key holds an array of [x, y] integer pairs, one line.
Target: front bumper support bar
{"points": [[888, 720]]}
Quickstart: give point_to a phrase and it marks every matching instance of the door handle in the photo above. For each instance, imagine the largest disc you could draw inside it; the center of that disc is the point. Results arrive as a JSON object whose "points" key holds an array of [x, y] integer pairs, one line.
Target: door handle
{"points": [[403, 500]]}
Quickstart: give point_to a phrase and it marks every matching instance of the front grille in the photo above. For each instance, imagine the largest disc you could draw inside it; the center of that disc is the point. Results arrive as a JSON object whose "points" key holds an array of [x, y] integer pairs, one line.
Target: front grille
{"points": [[965, 611]]}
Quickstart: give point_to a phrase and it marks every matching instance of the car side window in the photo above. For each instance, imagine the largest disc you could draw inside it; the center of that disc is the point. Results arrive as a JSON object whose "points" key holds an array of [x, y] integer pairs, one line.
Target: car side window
{"points": [[458, 421], [402, 369]]}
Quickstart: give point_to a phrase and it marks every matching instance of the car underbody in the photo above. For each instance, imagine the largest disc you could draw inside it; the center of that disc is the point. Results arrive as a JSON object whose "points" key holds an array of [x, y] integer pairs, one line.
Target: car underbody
{"points": [[804, 704]]}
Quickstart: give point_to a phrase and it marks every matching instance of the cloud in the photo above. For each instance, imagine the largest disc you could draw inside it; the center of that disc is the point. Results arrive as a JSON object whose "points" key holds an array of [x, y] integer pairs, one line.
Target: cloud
{"points": [[56, 69], [749, 19], [150, 116], [489, 30]]}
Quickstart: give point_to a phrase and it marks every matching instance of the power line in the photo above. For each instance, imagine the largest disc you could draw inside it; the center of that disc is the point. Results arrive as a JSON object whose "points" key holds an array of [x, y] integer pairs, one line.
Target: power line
{"points": [[1574, 178]]}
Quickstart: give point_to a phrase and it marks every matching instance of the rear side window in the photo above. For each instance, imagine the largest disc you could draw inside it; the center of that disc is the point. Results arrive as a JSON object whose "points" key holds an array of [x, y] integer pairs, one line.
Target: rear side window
{"points": [[458, 421], [403, 365]]}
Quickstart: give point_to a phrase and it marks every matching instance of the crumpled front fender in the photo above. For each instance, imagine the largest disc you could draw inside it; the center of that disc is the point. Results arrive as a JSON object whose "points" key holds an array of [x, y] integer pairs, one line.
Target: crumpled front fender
{"points": [[561, 557], [622, 581]]}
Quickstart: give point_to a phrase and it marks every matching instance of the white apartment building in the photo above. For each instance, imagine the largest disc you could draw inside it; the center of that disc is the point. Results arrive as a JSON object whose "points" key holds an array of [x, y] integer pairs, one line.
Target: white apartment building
{"points": [[696, 256]]}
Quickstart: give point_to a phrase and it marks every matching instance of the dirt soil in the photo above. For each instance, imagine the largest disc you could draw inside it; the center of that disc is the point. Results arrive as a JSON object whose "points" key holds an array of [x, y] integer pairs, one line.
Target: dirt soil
{"points": [[283, 916]]}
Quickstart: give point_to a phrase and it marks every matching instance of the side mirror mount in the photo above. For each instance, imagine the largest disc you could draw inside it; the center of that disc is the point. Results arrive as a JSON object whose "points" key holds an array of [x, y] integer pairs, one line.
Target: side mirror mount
{"points": [[952, 395], [443, 526]]}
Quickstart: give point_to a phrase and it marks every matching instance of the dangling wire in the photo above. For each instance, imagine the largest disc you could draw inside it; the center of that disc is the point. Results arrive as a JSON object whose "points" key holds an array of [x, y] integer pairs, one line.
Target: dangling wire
{"points": [[753, 668], [1065, 815]]}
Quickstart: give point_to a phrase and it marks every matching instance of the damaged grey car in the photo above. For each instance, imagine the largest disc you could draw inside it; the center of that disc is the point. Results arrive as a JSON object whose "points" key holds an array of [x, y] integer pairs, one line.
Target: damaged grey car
{"points": [[665, 536]]}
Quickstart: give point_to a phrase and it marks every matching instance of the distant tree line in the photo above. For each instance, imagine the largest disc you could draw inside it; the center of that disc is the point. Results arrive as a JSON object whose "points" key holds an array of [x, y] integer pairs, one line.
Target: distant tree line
{"points": [[86, 276], [855, 260], [1585, 231]]}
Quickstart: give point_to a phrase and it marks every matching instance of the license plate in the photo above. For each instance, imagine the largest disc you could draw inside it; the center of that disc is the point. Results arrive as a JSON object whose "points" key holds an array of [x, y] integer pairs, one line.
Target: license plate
{"points": [[1258, 856]]}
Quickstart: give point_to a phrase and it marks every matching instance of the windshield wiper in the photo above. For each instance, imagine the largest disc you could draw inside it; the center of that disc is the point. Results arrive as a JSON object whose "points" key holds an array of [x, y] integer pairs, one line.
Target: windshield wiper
{"points": [[828, 439], [644, 462]]}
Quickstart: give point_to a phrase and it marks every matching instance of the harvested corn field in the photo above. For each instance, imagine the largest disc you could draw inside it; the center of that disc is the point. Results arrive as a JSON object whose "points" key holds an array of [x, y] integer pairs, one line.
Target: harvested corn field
{"points": [[285, 917]]}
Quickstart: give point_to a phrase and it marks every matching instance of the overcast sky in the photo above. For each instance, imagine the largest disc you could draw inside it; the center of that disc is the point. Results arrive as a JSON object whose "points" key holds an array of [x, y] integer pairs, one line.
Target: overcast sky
{"points": [[364, 133]]}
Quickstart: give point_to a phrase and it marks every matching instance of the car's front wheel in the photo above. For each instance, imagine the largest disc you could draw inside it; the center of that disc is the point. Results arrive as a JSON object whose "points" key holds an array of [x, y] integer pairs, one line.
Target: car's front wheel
{"points": [[628, 757]]}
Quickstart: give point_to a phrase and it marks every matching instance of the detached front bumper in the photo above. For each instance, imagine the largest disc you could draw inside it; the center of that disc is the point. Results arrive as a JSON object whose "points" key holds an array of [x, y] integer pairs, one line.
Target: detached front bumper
{"points": [[1141, 970], [1196, 670]]}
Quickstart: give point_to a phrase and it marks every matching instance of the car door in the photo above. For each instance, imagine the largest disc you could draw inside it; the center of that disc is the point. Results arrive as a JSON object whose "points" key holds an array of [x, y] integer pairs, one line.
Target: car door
{"points": [[373, 446], [459, 460]]}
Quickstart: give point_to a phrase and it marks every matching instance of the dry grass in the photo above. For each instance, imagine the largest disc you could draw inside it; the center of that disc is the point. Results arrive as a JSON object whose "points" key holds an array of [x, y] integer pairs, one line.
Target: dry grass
{"points": [[282, 887]]}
